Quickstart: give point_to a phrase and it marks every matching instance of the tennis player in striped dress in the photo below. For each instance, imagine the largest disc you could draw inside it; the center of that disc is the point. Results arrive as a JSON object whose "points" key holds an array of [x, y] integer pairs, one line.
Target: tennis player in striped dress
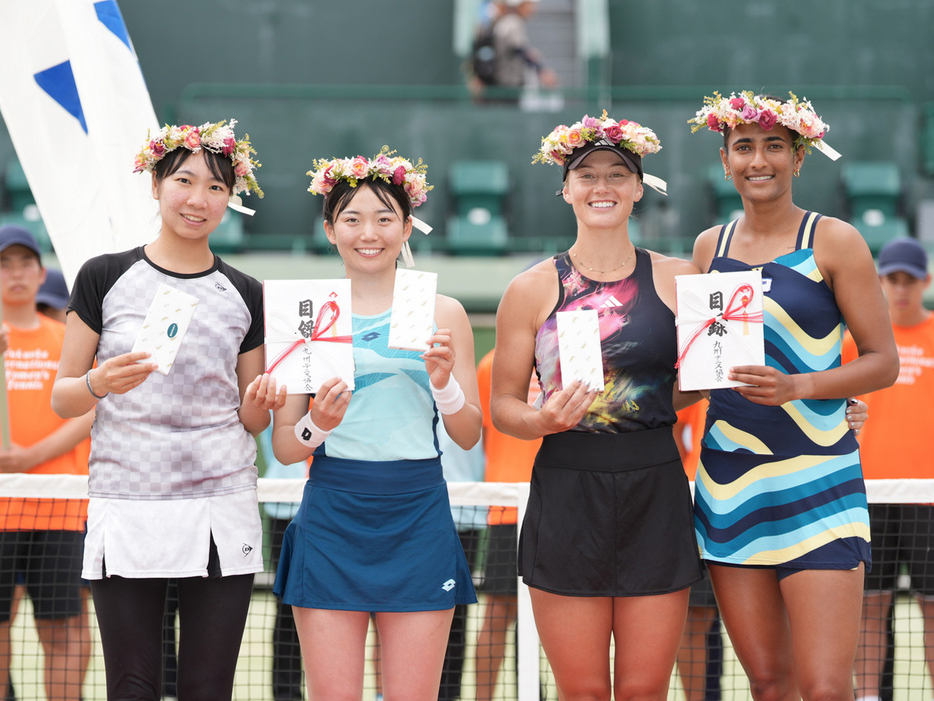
{"points": [[780, 510]]}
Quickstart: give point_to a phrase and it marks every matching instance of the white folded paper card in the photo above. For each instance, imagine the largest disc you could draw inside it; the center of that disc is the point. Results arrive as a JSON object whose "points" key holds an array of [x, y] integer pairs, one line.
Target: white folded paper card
{"points": [[164, 326], [413, 310], [579, 348], [309, 333], [719, 327]]}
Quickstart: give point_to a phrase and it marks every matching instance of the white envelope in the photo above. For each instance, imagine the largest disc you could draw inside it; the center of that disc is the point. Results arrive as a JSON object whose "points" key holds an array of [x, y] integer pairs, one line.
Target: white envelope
{"points": [[164, 326], [719, 326], [579, 348], [309, 333], [413, 310]]}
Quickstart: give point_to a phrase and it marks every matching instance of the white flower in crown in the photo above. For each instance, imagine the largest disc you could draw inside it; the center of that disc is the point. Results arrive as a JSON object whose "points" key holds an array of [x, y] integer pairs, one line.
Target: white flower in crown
{"points": [[384, 165], [719, 113], [217, 137], [563, 140]]}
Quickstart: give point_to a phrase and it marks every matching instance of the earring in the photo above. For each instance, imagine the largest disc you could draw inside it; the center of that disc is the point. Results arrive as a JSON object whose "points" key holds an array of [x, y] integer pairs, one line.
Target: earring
{"points": [[797, 172], [728, 176]]}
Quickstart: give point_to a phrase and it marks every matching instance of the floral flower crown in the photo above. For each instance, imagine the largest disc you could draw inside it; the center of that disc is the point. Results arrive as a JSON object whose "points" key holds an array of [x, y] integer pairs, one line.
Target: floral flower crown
{"points": [[384, 165], [799, 116], [561, 143], [217, 137]]}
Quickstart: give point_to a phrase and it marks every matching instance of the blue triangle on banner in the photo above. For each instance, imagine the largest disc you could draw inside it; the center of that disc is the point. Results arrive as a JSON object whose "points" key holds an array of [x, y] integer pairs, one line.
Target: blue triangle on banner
{"points": [[109, 15], [59, 82]]}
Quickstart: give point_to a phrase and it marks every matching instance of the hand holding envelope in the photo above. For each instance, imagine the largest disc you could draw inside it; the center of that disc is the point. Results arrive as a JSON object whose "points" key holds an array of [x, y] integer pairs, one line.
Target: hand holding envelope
{"points": [[412, 323], [719, 327], [164, 327], [309, 333], [579, 348]]}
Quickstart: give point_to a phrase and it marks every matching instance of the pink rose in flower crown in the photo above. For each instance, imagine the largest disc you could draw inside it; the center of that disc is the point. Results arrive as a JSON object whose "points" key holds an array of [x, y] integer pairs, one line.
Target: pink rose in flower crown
{"points": [[398, 175], [242, 168], [767, 119], [157, 148], [614, 133], [749, 113], [359, 167], [575, 138], [193, 139], [737, 103], [713, 122], [230, 145]]}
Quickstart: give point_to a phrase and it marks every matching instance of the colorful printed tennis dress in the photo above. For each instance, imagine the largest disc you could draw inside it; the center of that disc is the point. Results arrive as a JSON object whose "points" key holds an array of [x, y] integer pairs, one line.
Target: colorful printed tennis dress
{"points": [[782, 485]]}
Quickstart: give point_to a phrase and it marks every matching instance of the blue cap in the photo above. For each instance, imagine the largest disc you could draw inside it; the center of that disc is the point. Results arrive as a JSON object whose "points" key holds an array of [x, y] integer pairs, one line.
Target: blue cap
{"points": [[904, 255], [54, 291], [14, 235]]}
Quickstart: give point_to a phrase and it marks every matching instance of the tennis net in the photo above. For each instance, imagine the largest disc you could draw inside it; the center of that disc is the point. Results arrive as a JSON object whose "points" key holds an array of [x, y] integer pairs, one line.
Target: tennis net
{"points": [[494, 652]]}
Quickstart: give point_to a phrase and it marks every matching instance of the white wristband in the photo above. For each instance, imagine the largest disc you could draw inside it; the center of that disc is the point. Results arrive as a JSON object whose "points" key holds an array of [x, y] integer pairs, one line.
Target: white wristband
{"points": [[450, 399], [308, 434]]}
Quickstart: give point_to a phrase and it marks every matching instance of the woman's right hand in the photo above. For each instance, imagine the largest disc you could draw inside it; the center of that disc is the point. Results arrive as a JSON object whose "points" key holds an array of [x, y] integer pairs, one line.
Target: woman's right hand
{"points": [[121, 373], [564, 409], [330, 404]]}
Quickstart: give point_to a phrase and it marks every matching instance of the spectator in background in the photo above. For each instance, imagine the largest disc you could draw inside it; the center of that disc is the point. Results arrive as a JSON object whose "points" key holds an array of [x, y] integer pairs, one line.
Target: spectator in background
{"points": [[508, 459], [459, 465], [897, 443], [41, 541], [515, 62]]}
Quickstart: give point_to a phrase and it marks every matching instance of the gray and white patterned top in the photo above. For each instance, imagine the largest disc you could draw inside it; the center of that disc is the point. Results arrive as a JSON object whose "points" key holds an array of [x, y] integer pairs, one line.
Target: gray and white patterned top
{"points": [[177, 435]]}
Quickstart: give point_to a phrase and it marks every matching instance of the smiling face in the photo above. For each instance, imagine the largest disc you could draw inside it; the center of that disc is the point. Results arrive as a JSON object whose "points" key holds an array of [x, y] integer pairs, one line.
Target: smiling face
{"points": [[602, 190], [761, 162], [368, 232], [192, 199]]}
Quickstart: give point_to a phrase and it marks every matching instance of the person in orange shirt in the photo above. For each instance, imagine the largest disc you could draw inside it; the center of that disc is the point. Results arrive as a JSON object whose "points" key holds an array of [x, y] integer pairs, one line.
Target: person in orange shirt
{"points": [[41, 539], [508, 459], [897, 443]]}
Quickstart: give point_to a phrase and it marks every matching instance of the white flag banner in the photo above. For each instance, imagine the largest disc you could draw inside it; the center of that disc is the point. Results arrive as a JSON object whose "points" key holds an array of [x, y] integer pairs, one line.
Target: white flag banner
{"points": [[74, 100]]}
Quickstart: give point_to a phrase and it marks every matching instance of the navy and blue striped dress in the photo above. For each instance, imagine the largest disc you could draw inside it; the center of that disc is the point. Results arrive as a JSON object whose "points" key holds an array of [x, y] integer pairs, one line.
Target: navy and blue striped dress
{"points": [[782, 485]]}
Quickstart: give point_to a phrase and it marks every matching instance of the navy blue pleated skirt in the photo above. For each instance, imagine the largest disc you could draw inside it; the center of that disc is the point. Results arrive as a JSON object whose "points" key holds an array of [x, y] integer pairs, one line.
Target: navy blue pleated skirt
{"points": [[374, 536]]}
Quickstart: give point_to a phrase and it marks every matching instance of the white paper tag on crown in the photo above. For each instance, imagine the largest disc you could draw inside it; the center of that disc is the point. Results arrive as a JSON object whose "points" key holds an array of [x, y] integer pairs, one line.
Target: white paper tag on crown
{"points": [[579, 348], [165, 326], [412, 322]]}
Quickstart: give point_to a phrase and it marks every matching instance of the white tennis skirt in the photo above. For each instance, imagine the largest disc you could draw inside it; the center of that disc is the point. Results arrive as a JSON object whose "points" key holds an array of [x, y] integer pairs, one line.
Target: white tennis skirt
{"points": [[141, 539]]}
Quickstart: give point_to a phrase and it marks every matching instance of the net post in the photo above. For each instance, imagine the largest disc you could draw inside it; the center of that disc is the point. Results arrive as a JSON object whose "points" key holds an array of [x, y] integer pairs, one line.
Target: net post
{"points": [[528, 658]]}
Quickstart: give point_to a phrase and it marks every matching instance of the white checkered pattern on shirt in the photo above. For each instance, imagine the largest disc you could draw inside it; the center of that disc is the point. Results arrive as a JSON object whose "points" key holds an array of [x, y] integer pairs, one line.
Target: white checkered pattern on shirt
{"points": [[176, 435]]}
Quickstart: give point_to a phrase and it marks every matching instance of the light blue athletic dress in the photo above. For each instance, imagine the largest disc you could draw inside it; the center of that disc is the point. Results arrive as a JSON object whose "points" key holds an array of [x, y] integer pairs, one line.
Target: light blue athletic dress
{"points": [[782, 485], [374, 531]]}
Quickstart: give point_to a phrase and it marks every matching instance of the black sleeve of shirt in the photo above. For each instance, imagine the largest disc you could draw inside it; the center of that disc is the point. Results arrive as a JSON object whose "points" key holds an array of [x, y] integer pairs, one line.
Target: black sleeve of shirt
{"points": [[93, 282], [251, 290]]}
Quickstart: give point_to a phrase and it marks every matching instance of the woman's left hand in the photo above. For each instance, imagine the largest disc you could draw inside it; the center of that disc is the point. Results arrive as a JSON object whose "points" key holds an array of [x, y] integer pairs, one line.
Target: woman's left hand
{"points": [[439, 359], [261, 393], [857, 413], [766, 385]]}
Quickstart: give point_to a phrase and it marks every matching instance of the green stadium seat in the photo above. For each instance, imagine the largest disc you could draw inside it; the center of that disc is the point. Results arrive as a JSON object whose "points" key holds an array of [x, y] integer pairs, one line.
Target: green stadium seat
{"points": [[32, 223], [727, 202], [477, 238], [479, 189], [229, 237], [479, 184], [319, 238], [872, 185], [879, 232], [295, 243], [18, 194]]}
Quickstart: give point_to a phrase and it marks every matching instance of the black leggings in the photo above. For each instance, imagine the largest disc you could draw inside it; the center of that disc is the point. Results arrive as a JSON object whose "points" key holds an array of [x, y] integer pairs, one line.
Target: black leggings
{"points": [[212, 615]]}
